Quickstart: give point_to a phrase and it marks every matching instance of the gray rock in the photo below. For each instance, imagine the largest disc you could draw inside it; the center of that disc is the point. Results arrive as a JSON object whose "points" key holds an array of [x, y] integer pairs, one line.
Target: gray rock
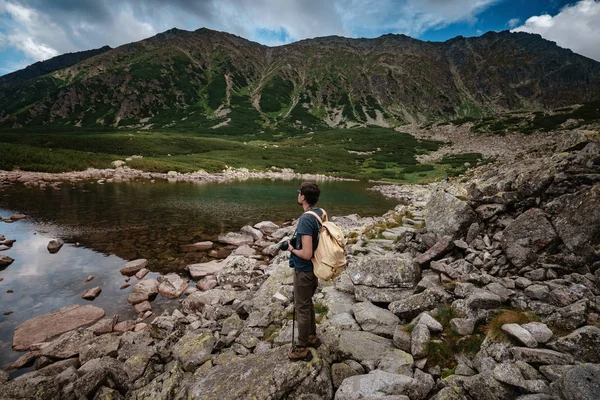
{"points": [[339, 372], [521, 334], [255, 233], [554, 372], [33, 387], [375, 319], [483, 299], [430, 322], [569, 317], [484, 386], [527, 236], [164, 386], [538, 292], [487, 211], [448, 215], [98, 347], [416, 304], [582, 382], [68, 345], [420, 337], [380, 295], [236, 239], [510, 374], [238, 272], [132, 267], [344, 321], [472, 232], [583, 343], [540, 332], [266, 227], [562, 297], [397, 362], [522, 283], [271, 374], [462, 326], [363, 346], [376, 384], [402, 339], [193, 350], [577, 220], [464, 370], [390, 271], [338, 302], [443, 246], [540, 356], [232, 323], [96, 372]]}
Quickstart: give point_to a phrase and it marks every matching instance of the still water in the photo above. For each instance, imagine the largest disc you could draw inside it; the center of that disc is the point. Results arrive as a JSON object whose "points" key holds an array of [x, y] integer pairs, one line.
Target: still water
{"points": [[117, 222]]}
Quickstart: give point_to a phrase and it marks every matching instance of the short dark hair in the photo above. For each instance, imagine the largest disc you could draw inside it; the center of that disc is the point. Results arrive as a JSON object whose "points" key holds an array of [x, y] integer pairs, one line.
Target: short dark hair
{"points": [[311, 192]]}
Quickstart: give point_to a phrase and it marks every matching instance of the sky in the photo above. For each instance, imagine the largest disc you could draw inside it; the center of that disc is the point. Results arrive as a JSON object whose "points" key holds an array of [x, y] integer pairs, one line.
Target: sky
{"points": [[36, 30]]}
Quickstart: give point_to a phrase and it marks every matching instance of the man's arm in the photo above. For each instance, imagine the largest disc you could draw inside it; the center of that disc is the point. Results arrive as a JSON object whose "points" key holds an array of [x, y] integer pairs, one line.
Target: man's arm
{"points": [[307, 252]]}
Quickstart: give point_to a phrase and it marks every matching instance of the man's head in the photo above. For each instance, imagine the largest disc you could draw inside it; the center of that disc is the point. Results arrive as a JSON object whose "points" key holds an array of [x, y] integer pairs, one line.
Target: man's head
{"points": [[309, 192]]}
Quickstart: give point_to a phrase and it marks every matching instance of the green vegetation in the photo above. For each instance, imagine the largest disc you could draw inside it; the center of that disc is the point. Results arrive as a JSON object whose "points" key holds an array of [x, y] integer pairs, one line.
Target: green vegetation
{"points": [[538, 121], [443, 346], [365, 153]]}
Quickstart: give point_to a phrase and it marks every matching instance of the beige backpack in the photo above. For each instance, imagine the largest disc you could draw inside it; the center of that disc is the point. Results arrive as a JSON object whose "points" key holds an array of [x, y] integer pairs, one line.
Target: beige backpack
{"points": [[328, 259]]}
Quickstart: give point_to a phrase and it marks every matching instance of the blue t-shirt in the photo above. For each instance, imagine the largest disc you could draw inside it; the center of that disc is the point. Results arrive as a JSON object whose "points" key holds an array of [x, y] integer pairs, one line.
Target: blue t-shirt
{"points": [[307, 225]]}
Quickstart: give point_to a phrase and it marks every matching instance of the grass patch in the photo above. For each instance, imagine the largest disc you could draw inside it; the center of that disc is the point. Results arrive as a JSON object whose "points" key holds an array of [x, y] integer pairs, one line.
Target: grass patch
{"points": [[321, 308], [493, 329], [443, 346]]}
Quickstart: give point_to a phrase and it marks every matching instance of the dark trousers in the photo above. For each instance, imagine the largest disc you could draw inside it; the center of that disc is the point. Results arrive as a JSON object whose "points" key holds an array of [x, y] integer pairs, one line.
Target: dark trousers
{"points": [[305, 286]]}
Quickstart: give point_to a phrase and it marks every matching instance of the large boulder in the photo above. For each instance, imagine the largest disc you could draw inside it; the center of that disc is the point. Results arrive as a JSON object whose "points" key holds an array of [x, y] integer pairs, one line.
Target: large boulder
{"points": [[448, 215], [364, 347], [69, 344], [577, 220], [236, 239], [583, 343], [375, 319], [390, 274], [581, 382], [238, 271], [413, 305], [268, 375], [377, 384], [527, 236], [194, 349], [51, 325]]}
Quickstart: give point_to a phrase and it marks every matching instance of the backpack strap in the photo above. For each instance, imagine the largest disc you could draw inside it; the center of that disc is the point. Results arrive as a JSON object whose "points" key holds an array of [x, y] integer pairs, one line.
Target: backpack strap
{"points": [[314, 214]]}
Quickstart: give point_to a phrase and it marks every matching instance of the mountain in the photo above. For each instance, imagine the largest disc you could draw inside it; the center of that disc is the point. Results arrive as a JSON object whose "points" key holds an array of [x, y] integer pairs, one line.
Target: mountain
{"points": [[207, 79], [45, 67]]}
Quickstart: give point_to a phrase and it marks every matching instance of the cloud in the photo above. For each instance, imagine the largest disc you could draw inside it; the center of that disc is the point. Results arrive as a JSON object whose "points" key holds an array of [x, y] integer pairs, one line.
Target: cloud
{"points": [[513, 22], [576, 27]]}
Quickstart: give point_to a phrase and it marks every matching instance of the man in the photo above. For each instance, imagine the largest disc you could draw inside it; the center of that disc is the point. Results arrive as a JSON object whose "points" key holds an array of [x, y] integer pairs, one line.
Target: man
{"points": [[305, 281]]}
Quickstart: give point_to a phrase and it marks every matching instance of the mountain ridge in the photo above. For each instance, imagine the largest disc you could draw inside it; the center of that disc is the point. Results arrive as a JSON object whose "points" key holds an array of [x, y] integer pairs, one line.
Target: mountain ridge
{"points": [[219, 80]]}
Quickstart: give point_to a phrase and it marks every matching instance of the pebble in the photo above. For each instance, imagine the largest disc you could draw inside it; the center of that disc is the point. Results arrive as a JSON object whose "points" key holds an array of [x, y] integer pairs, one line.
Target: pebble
{"points": [[89, 278]]}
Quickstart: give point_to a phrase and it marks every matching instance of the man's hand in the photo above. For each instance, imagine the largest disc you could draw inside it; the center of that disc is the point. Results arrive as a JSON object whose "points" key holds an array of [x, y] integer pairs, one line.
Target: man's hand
{"points": [[290, 248]]}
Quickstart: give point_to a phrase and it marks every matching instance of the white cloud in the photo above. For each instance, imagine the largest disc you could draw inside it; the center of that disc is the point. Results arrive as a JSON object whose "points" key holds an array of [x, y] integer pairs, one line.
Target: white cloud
{"points": [[575, 27], [513, 22]]}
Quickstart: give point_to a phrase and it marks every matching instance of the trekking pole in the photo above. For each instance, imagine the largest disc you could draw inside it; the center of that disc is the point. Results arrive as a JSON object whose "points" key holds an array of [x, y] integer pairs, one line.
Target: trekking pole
{"points": [[293, 326]]}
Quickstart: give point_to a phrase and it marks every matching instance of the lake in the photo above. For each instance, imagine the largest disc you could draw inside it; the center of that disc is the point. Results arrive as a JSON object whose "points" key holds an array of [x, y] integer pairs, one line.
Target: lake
{"points": [[104, 226]]}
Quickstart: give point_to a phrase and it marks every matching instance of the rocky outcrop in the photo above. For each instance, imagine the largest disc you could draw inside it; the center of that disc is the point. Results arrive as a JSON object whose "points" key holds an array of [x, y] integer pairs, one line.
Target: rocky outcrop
{"points": [[448, 215]]}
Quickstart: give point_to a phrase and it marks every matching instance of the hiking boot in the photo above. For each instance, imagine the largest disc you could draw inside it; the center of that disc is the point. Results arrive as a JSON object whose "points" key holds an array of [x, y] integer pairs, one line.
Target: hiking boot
{"points": [[314, 341], [300, 354]]}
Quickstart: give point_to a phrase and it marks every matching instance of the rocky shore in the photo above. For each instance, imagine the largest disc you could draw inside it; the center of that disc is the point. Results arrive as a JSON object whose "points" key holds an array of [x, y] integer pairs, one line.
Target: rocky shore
{"points": [[485, 287], [122, 173]]}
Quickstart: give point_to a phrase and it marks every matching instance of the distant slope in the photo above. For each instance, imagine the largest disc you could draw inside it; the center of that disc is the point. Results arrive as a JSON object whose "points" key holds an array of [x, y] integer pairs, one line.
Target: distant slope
{"points": [[44, 67], [208, 80]]}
